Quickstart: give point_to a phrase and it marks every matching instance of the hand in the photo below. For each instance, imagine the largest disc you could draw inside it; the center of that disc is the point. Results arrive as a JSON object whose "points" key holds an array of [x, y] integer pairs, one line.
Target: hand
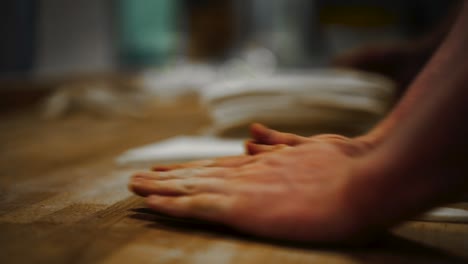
{"points": [[265, 139], [295, 193]]}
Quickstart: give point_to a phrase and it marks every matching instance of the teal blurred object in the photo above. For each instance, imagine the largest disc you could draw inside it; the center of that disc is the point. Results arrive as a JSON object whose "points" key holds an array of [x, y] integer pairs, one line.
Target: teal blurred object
{"points": [[148, 31]]}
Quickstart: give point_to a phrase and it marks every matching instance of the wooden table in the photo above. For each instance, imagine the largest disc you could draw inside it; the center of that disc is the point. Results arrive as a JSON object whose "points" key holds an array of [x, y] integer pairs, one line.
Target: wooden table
{"points": [[64, 200]]}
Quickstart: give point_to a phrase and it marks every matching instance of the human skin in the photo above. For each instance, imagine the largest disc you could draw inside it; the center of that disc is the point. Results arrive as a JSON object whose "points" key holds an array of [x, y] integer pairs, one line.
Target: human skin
{"points": [[330, 188]]}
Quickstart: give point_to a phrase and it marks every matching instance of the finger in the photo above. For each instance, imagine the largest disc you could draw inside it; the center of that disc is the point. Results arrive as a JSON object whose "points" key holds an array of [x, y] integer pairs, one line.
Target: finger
{"points": [[198, 163], [264, 135], [145, 187], [235, 161], [212, 207], [179, 173], [226, 162], [254, 149]]}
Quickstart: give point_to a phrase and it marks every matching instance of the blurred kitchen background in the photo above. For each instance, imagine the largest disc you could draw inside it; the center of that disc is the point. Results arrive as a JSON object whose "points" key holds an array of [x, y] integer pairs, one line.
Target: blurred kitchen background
{"points": [[56, 38], [115, 58]]}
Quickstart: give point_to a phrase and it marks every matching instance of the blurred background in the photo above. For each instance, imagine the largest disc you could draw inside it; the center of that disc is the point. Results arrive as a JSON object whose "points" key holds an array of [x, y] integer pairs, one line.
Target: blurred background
{"points": [[56, 38], [110, 57], [115, 58]]}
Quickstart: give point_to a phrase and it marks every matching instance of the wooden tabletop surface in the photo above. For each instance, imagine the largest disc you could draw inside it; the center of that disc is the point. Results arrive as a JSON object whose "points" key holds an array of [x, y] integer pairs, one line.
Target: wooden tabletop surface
{"points": [[64, 200]]}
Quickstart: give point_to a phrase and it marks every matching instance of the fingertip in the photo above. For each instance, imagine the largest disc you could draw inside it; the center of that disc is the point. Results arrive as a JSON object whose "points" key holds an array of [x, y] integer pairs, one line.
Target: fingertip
{"points": [[133, 184], [138, 175], [254, 128], [130, 186], [255, 149], [160, 168], [259, 131], [257, 126], [248, 146], [142, 187]]}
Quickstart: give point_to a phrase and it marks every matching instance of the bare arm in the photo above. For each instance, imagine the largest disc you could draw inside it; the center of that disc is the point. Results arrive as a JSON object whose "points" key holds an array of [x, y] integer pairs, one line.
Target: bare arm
{"points": [[424, 83], [422, 161], [330, 188]]}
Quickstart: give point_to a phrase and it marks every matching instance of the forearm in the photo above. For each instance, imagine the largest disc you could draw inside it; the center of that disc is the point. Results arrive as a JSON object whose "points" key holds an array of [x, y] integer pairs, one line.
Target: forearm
{"points": [[436, 129], [425, 46], [421, 163]]}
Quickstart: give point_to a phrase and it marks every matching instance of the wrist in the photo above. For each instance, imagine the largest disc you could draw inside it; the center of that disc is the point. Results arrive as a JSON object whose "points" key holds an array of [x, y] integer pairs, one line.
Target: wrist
{"points": [[383, 192], [374, 137], [387, 187]]}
